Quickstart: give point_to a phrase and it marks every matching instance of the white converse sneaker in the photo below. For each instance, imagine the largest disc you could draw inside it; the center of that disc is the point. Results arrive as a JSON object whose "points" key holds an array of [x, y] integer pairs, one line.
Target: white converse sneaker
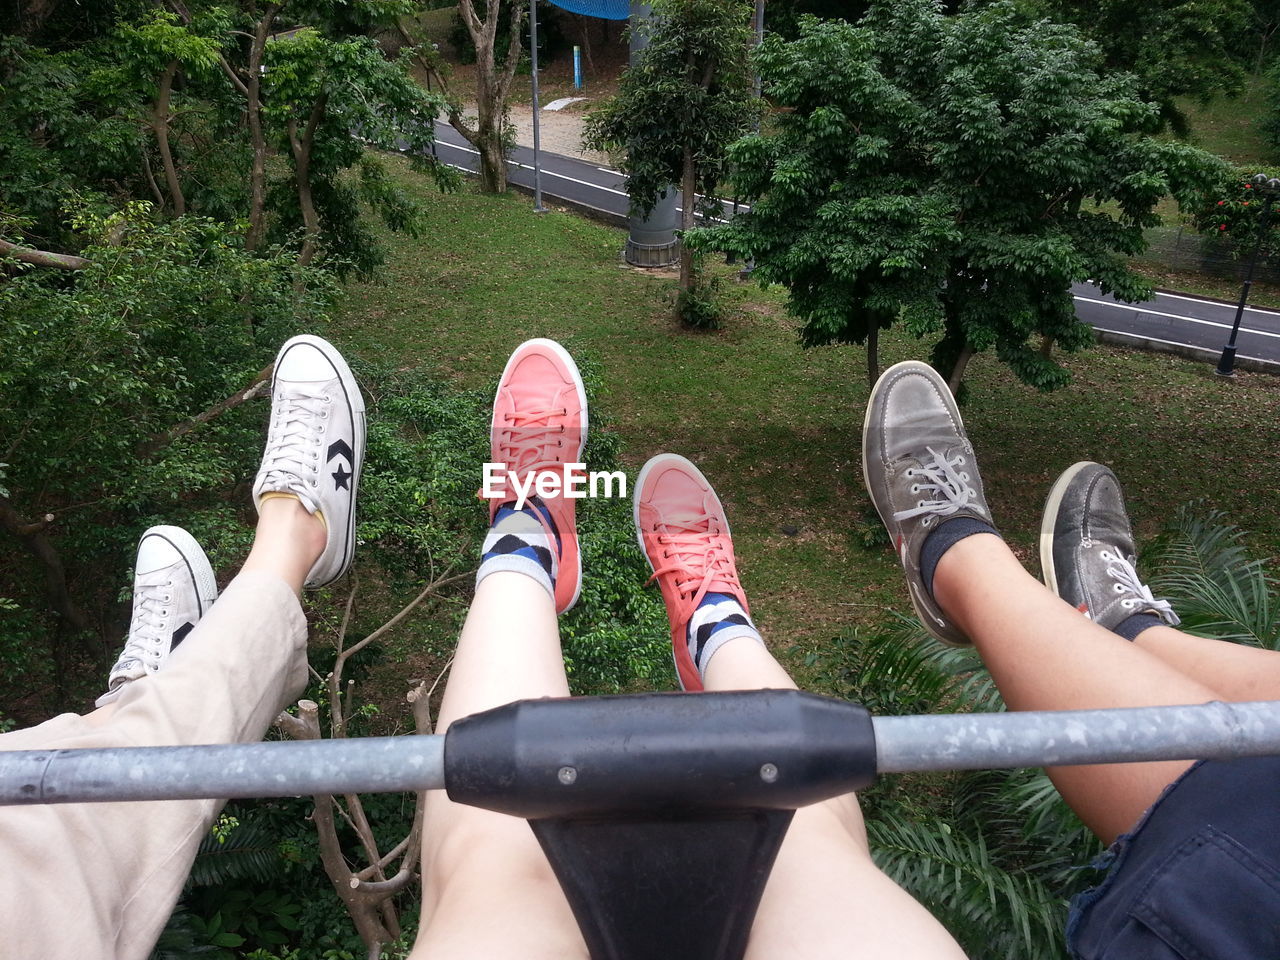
{"points": [[173, 587], [315, 445]]}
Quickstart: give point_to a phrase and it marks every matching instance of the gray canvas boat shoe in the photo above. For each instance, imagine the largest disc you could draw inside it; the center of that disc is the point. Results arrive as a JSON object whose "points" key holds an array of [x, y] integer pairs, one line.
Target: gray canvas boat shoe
{"points": [[919, 469]]}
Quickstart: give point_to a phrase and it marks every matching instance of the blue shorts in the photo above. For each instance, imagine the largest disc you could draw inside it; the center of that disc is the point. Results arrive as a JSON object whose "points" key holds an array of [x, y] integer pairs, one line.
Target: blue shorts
{"points": [[1198, 879]]}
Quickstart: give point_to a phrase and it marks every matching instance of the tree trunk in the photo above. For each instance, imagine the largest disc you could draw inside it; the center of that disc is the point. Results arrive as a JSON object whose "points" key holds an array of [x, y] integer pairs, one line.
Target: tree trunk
{"points": [[873, 354], [1267, 31], [257, 138], [31, 534], [584, 31], [957, 372], [33, 15], [301, 147], [160, 124], [43, 258], [687, 184], [492, 88]]}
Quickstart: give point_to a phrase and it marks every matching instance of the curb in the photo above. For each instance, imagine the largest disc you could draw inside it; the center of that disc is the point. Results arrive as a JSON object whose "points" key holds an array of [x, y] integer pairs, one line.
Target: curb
{"points": [[1114, 338]]}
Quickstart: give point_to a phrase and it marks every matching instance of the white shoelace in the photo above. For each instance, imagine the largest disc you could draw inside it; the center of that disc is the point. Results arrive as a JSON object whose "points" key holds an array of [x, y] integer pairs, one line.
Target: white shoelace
{"points": [[291, 462], [1127, 581], [145, 644], [948, 485]]}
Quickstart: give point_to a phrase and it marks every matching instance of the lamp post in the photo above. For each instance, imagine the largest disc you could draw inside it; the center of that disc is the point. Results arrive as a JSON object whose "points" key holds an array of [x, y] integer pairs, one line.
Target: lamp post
{"points": [[1269, 187], [537, 144]]}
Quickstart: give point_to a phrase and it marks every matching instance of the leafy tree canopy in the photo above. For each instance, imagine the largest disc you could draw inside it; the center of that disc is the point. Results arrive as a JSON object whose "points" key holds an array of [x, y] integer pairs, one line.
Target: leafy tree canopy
{"points": [[1176, 48], [679, 106], [958, 172]]}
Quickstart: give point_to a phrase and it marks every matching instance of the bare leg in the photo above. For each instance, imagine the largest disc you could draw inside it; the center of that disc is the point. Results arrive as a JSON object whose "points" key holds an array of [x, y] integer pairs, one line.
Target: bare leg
{"points": [[825, 897], [286, 543], [1045, 656], [488, 891], [1235, 671]]}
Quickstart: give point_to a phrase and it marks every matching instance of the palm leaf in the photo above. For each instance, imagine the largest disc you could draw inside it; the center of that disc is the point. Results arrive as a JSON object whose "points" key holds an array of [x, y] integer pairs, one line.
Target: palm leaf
{"points": [[246, 853], [1201, 565], [994, 912]]}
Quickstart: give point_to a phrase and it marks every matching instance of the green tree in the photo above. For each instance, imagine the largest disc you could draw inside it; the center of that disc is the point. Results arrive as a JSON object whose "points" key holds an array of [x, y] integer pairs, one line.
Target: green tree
{"points": [[107, 381], [188, 107], [1229, 217], [959, 172], [687, 97], [1176, 48], [496, 62]]}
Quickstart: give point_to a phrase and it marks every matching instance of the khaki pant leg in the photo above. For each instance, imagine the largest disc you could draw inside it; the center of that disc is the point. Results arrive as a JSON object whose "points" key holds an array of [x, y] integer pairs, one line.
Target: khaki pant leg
{"points": [[98, 880]]}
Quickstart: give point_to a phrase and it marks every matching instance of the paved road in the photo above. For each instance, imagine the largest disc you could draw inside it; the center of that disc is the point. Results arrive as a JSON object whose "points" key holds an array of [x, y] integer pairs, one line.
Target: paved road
{"points": [[1169, 321]]}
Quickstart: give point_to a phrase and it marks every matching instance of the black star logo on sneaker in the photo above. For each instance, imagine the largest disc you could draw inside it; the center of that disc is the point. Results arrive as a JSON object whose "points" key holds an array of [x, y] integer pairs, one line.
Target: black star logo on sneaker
{"points": [[340, 478]]}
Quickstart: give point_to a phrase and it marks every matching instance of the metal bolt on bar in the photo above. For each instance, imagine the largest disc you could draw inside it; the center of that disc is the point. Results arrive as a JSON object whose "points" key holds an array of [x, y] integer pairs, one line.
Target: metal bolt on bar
{"points": [[411, 763]]}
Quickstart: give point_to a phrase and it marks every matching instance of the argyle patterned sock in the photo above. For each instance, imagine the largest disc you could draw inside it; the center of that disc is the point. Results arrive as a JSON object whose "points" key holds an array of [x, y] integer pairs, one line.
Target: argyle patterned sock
{"points": [[523, 541], [718, 619]]}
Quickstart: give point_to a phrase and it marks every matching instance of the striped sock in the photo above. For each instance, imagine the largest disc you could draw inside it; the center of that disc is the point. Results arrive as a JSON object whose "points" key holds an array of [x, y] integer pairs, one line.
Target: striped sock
{"points": [[519, 541], [718, 619]]}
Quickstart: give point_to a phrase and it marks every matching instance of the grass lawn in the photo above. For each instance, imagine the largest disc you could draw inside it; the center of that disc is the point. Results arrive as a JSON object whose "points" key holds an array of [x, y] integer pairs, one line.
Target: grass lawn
{"points": [[777, 428], [1232, 128]]}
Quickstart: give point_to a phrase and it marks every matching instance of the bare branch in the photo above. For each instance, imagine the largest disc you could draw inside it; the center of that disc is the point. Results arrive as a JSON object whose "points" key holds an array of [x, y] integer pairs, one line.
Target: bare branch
{"points": [[257, 386], [383, 888], [337, 721], [430, 590]]}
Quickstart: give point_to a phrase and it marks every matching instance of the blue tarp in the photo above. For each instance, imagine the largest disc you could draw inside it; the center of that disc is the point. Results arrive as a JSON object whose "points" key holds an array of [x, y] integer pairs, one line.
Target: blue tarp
{"points": [[605, 9]]}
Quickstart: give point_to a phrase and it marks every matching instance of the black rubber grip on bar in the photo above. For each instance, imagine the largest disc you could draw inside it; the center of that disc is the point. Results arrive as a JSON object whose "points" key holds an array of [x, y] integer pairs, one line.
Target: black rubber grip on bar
{"points": [[764, 749]]}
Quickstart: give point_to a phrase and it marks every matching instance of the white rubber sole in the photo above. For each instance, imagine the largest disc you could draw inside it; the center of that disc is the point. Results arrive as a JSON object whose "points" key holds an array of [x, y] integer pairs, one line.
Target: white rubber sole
{"points": [[567, 359], [1049, 520], [194, 557]]}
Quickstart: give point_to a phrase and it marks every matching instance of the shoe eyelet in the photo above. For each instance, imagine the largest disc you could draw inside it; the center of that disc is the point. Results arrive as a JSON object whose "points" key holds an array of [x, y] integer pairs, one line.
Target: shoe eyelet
{"points": [[324, 415], [312, 481], [328, 399], [910, 472], [927, 522], [964, 477], [1118, 588], [915, 488]]}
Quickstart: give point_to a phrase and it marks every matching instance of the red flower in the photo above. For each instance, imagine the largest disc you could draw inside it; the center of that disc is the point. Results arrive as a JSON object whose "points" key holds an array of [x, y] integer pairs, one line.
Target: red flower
{"points": [[1223, 227], [1221, 202], [1246, 203], [1248, 186]]}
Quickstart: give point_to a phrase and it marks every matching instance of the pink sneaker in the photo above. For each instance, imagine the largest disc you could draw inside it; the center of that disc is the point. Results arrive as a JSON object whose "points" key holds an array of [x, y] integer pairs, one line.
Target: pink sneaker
{"points": [[540, 425], [683, 531]]}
